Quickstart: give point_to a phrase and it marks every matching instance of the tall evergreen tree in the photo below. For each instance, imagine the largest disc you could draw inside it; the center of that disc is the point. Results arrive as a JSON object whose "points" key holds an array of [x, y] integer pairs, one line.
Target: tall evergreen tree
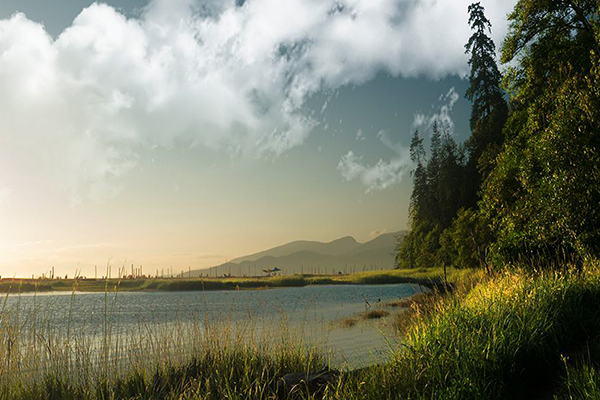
{"points": [[448, 183], [436, 197], [451, 180], [489, 108], [431, 215], [420, 189]]}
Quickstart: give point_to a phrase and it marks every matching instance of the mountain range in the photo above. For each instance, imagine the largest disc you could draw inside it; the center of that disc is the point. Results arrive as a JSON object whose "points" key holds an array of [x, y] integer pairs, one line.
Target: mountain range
{"points": [[312, 257]]}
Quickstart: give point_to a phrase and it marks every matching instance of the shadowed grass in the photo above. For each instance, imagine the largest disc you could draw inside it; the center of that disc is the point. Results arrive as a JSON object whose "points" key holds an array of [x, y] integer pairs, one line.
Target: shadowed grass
{"points": [[581, 381]]}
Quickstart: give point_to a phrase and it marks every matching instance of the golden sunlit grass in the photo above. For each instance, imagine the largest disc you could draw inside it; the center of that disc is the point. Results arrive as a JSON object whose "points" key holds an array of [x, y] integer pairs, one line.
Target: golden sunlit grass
{"points": [[498, 337]]}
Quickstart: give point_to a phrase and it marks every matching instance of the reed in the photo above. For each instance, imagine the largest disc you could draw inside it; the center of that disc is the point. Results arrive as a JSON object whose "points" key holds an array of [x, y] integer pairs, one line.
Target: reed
{"points": [[510, 335], [206, 358]]}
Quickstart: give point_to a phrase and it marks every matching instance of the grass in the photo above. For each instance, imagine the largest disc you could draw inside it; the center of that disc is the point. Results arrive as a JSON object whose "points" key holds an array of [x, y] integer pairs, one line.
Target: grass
{"points": [[194, 360], [511, 335], [418, 299], [416, 275], [348, 322], [368, 315], [375, 314], [504, 338], [427, 277]]}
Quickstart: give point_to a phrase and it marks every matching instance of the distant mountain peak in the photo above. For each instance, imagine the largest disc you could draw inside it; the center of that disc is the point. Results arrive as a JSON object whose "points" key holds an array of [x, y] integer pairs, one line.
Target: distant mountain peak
{"points": [[345, 239], [305, 256]]}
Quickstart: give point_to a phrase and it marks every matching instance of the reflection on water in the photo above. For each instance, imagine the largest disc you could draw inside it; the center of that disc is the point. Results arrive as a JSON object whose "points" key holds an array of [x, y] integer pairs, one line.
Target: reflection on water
{"points": [[310, 311]]}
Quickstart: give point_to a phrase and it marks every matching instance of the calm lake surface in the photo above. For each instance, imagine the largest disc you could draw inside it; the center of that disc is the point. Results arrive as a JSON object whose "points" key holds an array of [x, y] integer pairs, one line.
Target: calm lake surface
{"points": [[313, 312]]}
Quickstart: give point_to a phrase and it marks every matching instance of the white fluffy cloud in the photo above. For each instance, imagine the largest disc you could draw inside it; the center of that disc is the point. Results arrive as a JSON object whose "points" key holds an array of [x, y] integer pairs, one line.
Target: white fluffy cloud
{"points": [[82, 106], [381, 175], [384, 173], [441, 116]]}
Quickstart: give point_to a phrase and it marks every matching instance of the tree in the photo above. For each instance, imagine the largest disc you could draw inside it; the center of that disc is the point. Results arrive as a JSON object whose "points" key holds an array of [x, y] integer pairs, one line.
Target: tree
{"points": [[489, 108], [450, 181], [420, 189], [542, 194], [465, 243], [437, 195]]}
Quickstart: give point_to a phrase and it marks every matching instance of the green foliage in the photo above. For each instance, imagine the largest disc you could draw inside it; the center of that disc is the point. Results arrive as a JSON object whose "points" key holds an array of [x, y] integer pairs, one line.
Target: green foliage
{"points": [[465, 243], [537, 172], [437, 195], [419, 247], [450, 181], [543, 193]]}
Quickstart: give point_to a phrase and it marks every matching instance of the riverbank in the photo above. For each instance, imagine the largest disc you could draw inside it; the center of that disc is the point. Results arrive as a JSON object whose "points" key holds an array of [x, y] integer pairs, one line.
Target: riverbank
{"points": [[509, 335], [431, 278]]}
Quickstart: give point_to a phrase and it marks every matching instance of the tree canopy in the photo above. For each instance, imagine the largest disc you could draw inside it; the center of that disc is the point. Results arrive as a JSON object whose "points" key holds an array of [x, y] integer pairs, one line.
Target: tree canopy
{"points": [[526, 184], [542, 196]]}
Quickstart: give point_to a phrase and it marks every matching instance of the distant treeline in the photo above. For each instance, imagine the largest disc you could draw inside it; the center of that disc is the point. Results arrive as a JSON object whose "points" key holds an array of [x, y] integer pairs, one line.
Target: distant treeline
{"points": [[525, 186]]}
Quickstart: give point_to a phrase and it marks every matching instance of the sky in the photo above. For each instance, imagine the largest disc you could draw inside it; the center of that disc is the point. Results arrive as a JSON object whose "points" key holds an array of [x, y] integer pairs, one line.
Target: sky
{"points": [[183, 133]]}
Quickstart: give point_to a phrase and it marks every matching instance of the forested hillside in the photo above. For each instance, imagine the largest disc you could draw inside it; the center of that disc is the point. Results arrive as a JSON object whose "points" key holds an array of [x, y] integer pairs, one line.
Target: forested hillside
{"points": [[525, 186]]}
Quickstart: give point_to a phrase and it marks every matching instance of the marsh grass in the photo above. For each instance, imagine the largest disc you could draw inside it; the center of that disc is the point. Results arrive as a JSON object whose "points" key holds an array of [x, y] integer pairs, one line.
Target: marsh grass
{"points": [[206, 358], [510, 335], [349, 322], [431, 277], [375, 314], [419, 298]]}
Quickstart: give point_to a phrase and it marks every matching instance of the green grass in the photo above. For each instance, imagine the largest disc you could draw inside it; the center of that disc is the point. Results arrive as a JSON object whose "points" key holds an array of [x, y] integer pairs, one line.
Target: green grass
{"points": [[513, 335], [502, 339], [216, 373], [417, 275]]}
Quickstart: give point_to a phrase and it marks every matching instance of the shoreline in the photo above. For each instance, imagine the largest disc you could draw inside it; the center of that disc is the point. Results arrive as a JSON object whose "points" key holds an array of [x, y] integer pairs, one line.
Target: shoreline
{"points": [[432, 279]]}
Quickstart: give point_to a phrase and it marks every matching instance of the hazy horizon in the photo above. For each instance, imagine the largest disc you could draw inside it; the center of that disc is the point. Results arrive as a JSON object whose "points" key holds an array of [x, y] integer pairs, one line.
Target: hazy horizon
{"points": [[186, 133]]}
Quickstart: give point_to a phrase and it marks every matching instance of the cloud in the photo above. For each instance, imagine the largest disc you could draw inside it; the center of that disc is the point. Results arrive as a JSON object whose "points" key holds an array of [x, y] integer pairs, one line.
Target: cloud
{"points": [[79, 109], [442, 116], [381, 175], [384, 173]]}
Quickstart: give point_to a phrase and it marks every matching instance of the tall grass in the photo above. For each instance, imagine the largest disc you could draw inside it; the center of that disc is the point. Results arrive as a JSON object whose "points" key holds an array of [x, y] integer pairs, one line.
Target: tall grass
{"points": [[581, 381], [512, 335], [203, 359], [502, 339]]}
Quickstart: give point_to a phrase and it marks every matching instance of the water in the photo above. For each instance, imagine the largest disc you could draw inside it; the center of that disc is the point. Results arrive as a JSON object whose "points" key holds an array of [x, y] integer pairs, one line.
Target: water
{"points": [[314, 312]]}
